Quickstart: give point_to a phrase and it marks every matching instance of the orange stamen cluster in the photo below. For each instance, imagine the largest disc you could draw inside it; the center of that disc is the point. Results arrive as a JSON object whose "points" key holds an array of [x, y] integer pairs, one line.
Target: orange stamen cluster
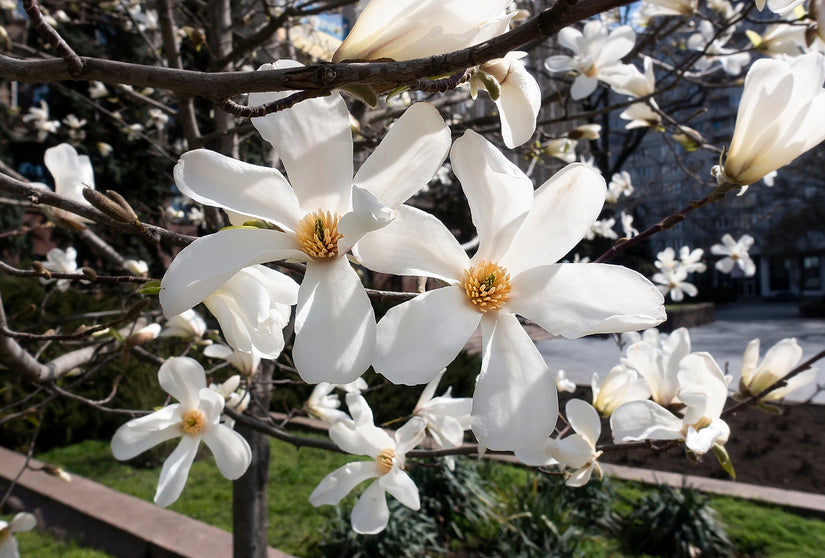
{"points": [[193, 422], [487, 286], [318, 234], [385, 460]]}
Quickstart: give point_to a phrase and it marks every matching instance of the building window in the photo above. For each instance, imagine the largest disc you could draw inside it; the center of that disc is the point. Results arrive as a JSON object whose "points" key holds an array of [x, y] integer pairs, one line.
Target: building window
{"points": [[811, 277], [780, 278]]}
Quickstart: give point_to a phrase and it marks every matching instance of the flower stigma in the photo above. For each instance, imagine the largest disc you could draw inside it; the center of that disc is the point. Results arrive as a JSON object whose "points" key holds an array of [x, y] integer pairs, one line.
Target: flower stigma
{"points": [[385, 460], [193, 422], [487, 286], [318, 235]]}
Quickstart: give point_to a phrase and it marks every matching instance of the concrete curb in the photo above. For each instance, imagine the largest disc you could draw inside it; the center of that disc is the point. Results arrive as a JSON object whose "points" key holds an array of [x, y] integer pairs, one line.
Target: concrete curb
{"points": [[100, 517]]}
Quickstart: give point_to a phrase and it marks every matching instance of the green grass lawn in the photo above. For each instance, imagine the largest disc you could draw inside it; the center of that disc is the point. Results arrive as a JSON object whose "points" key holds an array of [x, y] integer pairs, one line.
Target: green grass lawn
{"points": [[296, 527]]}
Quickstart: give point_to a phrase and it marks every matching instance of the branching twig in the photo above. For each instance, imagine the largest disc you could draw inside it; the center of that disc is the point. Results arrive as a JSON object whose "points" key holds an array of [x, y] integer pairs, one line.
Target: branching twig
{"points": [[73, 61]]}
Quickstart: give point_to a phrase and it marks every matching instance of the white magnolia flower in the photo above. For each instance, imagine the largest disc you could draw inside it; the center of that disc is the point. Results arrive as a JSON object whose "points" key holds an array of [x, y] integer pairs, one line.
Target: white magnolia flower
{"points": [[235, 397], [563, 383], [656, 8], [23, 521], [704, 390], [597, 52], [361, 437], [522, 234], [778, 362], [602, 228], [577, 451], [321, 216], [252, 308], [641, 115], [666, 260], [561, 148], [712, 45], [779, 39], [673, 282], [621, 385], [157, 118], [133, 131], [620, 185], [447, 416], [626, 79], [778, 118], [196, 417], [658, 363], [778, 6], [186, 325], [39, 117], [138, 268], [585, 131], [691, 260], [736, 254], [71, 173], [628, 229], [97, 90], [324, 406], [60, 261], [245, 363]]}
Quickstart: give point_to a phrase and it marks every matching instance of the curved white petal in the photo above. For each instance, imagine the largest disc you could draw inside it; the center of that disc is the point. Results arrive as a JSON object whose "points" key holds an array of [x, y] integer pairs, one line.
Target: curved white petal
{"points": [[515, 404], [793, 384], [498, 192], [23, 521], [582, 87], [518, 105], [644, 420], [408, 156], [141, 434], [573, 451], [418, 338], [573, 300], [368, 215], [175, 471], [314, 141], [231, 451], [334, 324], [182, 378], [214, 179], [538, 456], [370, 513], [585, 420], [410, 435], [206, 264], [415, 243], [564, 209], [401, 486], [71, 172], [749, 361], [340, 482]]}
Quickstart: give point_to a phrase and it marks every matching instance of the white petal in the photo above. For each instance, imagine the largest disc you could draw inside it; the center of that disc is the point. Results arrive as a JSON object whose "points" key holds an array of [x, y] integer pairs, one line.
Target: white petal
{"points": [[415, 243], [206, 264], [23, 521], [175, 471], [231, 451], [340, 482], [314, 141], [368, 215], [182, 378], [418, 338], [538, 456], [573, 451], [563, 211], [749, 361], [644, 420], [140, 434], [71, 171], [214, 179], [793, 384], [559, 63], [334, 324], [584, 419], [401, 486], [408, 156], [515, 404], [518, 106], [410, 435], [370, 514], [580, 299], [498, 192], [582, 87]]}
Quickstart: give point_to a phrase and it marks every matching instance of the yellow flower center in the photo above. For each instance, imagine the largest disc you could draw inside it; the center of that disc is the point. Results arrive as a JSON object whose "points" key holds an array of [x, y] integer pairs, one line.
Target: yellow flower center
{"points": [[193, 422], [5, 533], [385, 460], [487, 285], [318, 234]]}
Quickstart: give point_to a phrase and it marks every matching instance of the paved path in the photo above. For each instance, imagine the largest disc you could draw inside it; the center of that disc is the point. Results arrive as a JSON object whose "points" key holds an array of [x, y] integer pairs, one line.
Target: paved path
{"points": [[725, 339]]}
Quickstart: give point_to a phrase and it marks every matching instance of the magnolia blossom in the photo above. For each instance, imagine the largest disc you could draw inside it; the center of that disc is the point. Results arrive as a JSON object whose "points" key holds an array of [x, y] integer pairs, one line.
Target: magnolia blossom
{"points": [[626, 79], [322, 405], [563, 383], [655, 8], [252, 308], [673, 282], [641, 115], [778, 118], [691, 260], [666, 260], [447, 416], [39, 117], [97, 90], [597, 52], [585, 131], [713, 47], [620, 185], [23, 521], [236, 398], [577, 451], [245, 363], [320, 217], [778, 362], [407, 29], [703, 391], [736, 254], [60, 261], [360, 436], [658, 364], [71, 173], [138, 268], [196, 417], [187, 325], [622, 384], [521, 234], [602, 228], [628, 229], [779, 39], [561, 148]]}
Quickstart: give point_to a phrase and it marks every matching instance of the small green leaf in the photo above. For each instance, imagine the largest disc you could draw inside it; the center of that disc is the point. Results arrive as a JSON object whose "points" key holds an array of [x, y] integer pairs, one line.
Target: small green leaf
{"points": [[724, 460], [363, 92], [151, 288], [490, 84]]}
